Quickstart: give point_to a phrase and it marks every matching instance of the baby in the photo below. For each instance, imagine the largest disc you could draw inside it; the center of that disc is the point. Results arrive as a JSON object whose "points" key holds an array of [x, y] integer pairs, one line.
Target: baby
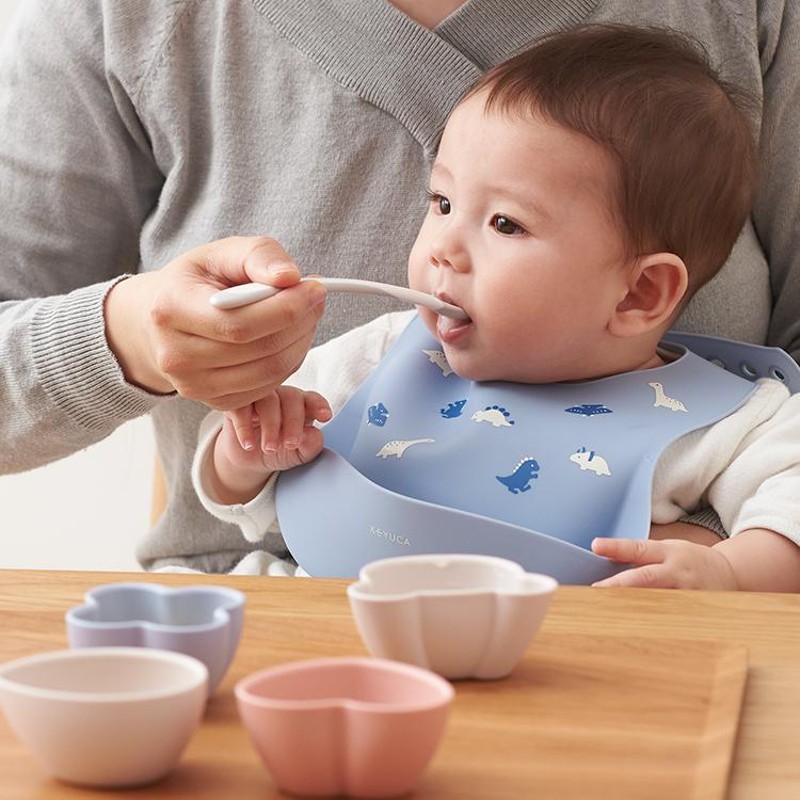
{"points": [[582, 192]]}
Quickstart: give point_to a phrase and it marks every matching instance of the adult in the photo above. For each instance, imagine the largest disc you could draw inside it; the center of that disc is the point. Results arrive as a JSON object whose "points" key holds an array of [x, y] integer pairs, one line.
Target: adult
{"points": [[134, 133]]}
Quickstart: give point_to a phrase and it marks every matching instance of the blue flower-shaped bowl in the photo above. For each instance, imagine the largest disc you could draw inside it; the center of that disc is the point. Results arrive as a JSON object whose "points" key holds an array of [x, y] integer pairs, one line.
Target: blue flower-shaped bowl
{"points": [[200, 621]]}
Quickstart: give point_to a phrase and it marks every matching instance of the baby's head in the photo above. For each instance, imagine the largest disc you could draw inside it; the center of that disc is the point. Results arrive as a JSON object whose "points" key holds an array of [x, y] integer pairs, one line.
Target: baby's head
{"points": [[583, 190]]}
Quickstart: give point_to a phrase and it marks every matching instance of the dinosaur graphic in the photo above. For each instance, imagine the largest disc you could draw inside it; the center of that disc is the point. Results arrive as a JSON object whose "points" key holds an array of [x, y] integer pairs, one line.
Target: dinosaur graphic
{"points": [[438, 357], [377, 415], [589, 409], [667, 402], [523, 473], [590, 460], [496, 416], [398, 446], [453, 410]]}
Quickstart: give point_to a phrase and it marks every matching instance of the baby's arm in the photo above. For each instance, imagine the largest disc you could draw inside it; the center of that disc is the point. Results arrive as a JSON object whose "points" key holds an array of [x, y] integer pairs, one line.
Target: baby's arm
{"points": [[287, 439], [763, 561], [754, 560], [746, 468]]}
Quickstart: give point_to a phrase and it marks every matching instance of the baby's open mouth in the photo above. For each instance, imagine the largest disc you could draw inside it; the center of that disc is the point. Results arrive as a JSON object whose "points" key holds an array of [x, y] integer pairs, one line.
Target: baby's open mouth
{"points": [[448, 328], [450, 308]]}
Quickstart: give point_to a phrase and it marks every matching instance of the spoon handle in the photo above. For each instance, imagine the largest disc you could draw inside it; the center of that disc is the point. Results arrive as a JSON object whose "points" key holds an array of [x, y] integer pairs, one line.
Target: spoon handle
{"points": [[247, 293]]}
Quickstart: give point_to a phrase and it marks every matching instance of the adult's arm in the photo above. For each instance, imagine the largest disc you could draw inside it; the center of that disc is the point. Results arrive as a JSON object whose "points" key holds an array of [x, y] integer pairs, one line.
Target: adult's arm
{"points": [[79, 181]]}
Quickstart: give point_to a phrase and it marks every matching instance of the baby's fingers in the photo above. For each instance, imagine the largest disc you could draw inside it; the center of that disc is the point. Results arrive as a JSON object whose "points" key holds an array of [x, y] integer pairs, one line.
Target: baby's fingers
{"points": [[298, 410], [645, 554], [268, 410], [317, 408], [244, 423], [293, 417], [630, 551], [652, 576]]}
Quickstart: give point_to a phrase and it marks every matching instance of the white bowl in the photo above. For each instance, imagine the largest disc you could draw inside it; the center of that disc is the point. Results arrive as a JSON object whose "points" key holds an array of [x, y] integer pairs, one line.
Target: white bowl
{"points": [[463, 616], [105, 716]]}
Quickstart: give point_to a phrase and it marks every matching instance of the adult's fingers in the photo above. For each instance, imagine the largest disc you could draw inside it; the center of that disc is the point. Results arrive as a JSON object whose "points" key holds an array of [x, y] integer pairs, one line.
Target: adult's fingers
{"points": [[245, 259], [156, 322], [187, 283], [188, 310], [191, 359]]}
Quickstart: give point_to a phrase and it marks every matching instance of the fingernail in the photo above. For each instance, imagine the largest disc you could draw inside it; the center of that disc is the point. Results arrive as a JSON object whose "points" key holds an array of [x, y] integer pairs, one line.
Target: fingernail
{"points": [[269, 447], [316, 296], [281, 267], [291, 444]]}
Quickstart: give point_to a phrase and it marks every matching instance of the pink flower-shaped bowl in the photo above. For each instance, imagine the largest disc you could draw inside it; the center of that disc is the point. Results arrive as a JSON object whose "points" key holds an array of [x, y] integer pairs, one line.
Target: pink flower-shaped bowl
{"points": [[463, 616], [354, 726], [105, 716]]}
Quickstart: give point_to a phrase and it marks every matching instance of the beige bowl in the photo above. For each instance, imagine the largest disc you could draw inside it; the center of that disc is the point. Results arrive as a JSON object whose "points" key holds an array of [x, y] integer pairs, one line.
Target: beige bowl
{"points": [[105, 716], [463, 616]]}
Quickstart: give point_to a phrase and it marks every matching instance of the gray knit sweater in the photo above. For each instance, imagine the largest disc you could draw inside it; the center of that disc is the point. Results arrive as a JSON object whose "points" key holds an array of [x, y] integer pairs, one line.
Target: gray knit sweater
{"points": [[133, 131]]}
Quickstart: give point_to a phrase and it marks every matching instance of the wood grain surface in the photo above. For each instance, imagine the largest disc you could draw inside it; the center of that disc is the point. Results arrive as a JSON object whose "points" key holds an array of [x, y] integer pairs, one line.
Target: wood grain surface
{"points": [[624, 694]]}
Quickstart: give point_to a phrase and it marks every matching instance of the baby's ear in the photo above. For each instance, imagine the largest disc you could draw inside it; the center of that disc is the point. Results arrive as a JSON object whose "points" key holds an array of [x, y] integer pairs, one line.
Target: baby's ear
{"points": [[656, 287]]}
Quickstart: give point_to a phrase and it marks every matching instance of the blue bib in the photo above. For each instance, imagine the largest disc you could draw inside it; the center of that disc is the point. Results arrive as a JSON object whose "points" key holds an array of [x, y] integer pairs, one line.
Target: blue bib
{"points": [[420, 460]]}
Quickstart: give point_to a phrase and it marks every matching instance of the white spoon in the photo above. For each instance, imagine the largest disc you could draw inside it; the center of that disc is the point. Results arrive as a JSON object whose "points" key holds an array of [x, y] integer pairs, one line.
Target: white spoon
{"points": [[248, 293]]}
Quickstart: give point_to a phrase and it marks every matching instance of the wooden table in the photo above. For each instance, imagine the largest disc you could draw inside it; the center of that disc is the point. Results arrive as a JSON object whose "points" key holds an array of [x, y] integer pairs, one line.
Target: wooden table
{"points": [[486, 752]]}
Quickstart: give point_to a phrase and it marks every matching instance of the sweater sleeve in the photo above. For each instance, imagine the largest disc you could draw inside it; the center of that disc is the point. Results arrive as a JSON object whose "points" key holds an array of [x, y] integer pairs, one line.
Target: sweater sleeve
{"points": [[77, 184], [776, 215]]}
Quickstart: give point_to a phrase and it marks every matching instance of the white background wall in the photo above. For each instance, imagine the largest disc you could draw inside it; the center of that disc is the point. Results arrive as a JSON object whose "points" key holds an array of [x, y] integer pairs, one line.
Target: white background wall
{"points": [[86, 511]]}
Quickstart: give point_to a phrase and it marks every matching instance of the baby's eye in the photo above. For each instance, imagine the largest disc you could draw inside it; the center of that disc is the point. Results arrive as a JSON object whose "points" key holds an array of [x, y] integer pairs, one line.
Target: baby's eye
{"points": [[502, 224], [439, 202]]}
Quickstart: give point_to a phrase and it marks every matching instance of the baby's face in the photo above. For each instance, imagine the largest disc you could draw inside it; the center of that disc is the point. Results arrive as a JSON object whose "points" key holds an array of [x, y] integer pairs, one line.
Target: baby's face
{"points": [[520, 233]]}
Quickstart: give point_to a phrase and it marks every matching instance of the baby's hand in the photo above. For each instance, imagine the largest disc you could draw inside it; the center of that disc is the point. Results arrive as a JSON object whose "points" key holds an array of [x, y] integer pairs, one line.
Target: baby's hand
{"points": [[667, 564], [277, 432], [282, 423]]}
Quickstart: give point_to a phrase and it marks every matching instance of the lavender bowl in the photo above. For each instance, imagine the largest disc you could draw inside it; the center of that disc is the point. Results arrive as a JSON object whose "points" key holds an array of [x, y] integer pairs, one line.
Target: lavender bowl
{"points": [[200, 621]]}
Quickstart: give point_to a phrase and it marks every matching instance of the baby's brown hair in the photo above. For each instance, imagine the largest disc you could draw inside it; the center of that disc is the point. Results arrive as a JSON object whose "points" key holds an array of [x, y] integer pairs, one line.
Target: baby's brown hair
{"points": [[679, 135]]}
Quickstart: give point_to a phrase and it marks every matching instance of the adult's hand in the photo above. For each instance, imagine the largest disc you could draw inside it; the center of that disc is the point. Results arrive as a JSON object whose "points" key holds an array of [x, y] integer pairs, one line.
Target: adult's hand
{"points": [[168, 337]]}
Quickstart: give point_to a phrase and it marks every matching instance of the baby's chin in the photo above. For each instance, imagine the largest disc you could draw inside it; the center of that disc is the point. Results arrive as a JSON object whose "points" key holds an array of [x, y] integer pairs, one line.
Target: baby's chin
{"points": [[471, 368]]}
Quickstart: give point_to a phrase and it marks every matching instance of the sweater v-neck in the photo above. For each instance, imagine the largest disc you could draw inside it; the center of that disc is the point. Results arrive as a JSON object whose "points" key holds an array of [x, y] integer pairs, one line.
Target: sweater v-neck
{"points": [[415, 74]]}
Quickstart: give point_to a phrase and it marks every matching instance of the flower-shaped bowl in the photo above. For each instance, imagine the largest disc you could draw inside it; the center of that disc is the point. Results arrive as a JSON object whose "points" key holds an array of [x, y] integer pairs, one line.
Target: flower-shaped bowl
{"points": [[200, 621], [354, 726], [463, 616], [105, 717]]}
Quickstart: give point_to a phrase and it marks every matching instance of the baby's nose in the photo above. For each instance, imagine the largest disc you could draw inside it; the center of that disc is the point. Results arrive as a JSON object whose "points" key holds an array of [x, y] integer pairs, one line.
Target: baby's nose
{"points": [[447, 252]]}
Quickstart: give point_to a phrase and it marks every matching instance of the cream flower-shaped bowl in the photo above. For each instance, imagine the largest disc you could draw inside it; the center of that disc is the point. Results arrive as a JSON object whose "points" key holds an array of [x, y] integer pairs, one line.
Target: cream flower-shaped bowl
{"points": [[462, 616]]}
